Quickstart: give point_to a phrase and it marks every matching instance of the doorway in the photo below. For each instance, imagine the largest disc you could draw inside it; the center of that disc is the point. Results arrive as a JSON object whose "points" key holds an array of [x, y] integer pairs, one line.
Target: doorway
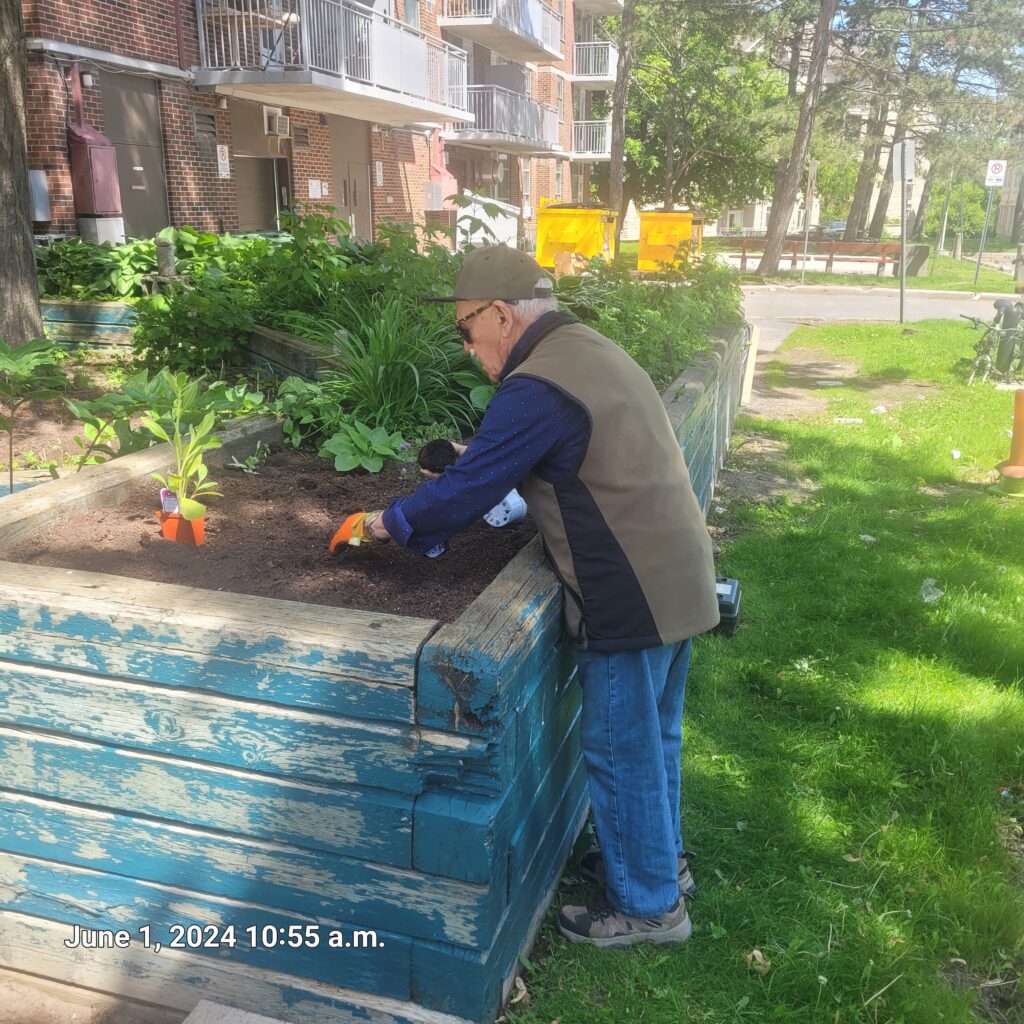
{"points": [[262, 188], [350, 172]]}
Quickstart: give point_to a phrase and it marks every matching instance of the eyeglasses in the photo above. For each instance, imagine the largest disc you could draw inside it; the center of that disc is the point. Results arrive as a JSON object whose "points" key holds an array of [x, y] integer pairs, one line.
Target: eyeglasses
{"points": [[460, 323]]}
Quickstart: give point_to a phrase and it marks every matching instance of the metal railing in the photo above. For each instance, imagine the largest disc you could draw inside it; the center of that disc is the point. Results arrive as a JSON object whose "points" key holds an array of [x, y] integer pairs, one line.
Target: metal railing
{"points": [[592, 138], [500, 111], [596, 60], [341, 38], [529, 18]]}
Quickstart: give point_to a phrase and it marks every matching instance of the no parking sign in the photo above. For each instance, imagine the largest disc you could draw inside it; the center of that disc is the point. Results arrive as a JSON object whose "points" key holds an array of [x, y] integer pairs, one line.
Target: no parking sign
{"points": [[995, 177]]}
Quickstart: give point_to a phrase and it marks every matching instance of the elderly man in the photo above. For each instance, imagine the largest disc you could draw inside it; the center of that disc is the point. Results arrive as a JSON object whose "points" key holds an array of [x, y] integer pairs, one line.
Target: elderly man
{"points": [[581, 430]]}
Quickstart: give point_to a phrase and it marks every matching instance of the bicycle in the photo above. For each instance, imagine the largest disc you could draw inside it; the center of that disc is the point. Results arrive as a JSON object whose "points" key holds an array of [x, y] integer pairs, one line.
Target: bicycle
{"points": [[1001, 346]]}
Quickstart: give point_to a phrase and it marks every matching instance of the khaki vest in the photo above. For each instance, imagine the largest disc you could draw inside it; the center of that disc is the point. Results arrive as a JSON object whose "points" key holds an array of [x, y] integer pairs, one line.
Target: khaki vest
{"points": [[625, 532]]}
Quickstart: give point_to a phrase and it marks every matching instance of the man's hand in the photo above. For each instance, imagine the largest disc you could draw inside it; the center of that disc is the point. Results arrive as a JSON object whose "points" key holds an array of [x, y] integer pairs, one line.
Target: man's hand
{"points": [[359, 528]]}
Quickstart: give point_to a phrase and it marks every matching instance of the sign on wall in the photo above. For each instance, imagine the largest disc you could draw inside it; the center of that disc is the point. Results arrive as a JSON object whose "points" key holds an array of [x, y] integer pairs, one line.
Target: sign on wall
{"points": [[223, 162]]}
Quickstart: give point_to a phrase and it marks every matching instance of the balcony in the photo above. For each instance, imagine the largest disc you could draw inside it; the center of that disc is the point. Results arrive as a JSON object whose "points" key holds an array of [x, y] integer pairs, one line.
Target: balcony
{"points": [[333, 56], [600, 6], [523, 30], [591, 140], [595, 65], [507, 121]]}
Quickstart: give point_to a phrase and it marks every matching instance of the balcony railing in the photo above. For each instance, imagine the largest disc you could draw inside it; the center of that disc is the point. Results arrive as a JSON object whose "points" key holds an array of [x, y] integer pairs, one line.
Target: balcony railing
{"points": [[529, 18], [598, 60], [340, 38], [511, 116], [592, 140]]}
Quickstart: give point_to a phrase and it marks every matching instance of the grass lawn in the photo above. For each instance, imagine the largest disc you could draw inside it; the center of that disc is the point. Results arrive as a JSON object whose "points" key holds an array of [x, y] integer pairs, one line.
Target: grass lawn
{"points": [[950, 276], [846, 752]]}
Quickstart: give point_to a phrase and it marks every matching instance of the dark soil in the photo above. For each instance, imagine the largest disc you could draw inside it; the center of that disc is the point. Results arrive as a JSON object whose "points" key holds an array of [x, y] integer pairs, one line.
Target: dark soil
{"points": [[437, 456], [268, 536]]}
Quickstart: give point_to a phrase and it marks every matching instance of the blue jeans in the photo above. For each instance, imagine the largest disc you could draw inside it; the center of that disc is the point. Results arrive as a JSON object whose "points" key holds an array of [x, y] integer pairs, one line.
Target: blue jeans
{"points": [[631, 733]]}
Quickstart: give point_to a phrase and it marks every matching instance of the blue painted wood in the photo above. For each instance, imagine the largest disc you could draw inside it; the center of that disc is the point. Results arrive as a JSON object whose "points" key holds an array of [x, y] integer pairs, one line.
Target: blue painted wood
{"points": [[294, 744], [99, 900], [315, 884], [360, 823], [70, 311]]}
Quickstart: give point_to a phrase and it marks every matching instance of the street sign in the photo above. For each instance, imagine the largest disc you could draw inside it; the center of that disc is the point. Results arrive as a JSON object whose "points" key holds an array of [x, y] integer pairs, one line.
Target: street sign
{"points": [[995, 177], [903, 157]]}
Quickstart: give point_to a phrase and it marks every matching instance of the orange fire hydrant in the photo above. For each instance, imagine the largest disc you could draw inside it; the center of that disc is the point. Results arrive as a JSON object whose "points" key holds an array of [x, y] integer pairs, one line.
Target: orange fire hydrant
{"points": [[1012, 470]]}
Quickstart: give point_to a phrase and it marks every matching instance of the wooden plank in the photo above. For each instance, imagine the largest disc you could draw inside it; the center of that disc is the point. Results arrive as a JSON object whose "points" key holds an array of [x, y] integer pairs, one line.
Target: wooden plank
{"points": [[87, 312], [155, 620], [371, 824], [107, 335], [97, 900], [298, 745], [472, 671], [178, 980], [24, 514], [286, 351], [271, 874]]}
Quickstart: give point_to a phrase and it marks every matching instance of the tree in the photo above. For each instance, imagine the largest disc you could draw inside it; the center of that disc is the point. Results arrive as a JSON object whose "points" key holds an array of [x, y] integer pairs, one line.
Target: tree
{"points": [[619, 100], [785, 194], [19, 303]]}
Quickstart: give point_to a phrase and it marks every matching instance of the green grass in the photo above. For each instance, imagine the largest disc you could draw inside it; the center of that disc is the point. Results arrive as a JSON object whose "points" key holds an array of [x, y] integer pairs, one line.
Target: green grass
{"points": [[950, 276], [844, 753]]}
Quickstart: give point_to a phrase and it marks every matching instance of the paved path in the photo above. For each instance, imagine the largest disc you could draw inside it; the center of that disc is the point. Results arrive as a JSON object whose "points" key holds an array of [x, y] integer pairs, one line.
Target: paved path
{"points": [[780, 311]]}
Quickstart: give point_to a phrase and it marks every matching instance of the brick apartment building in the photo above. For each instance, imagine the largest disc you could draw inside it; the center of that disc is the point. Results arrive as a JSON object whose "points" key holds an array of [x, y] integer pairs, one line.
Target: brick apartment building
{"points": [[223, 112]]}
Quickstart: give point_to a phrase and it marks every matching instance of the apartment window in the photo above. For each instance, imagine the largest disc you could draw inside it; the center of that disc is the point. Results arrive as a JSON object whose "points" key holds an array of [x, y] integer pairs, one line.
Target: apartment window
{"points": [[526, 176], [560, 93], [561, 11], [206, 132], [412, 13], [558, 179]]}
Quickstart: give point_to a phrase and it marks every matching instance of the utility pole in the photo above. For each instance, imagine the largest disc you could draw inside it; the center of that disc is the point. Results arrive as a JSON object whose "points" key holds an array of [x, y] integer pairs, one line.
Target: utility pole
{"points": [[995, 177]]}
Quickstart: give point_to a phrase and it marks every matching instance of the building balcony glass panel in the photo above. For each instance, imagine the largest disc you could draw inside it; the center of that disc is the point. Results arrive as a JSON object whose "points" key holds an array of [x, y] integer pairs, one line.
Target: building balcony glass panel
{"points": [[334, 56], [523, 30], [591, 140], [602, 7], [595, 65], [507, 121]]}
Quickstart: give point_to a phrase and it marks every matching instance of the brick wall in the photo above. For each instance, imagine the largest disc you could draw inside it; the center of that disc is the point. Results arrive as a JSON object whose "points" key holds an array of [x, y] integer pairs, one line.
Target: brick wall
{"points": [[405, 164], [312, 163]]}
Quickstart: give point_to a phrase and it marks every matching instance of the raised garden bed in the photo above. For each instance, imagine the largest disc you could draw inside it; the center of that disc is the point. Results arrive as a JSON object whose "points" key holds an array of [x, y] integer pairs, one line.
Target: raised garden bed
{"points": [[97, 324], [175, 755]]}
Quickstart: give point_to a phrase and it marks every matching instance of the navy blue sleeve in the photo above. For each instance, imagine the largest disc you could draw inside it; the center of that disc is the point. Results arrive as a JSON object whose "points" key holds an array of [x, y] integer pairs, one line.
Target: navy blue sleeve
{"points": [[528, 425]]}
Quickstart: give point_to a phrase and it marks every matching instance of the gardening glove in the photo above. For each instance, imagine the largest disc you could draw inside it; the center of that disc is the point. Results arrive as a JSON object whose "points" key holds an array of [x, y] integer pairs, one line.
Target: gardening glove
{"points": [[355, 531]]}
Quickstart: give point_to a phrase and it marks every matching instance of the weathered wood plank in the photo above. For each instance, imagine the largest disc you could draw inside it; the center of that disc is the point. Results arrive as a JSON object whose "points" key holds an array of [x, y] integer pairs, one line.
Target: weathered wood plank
{"points": [[473, 670], [358, 823], [271, 874], [81, 311], [178, 980], [298, 745], [24, 514], [97, 900], [159, 618]]}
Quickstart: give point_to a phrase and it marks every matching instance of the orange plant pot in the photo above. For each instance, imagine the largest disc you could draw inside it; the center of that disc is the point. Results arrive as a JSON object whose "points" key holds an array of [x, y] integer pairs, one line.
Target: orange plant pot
{"points": [[174, 526]]}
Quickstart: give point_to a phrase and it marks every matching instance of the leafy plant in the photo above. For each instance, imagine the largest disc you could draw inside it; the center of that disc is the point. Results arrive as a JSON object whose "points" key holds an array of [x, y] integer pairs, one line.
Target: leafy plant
{"points": [[307, 412], [190, 477], [27, 373], [251, 463], [355, 444], [87, 270]]}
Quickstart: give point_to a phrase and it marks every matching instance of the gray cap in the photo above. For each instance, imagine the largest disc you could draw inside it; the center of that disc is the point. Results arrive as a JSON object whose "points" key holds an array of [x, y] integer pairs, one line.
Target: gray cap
{"points": [[499, 272]]}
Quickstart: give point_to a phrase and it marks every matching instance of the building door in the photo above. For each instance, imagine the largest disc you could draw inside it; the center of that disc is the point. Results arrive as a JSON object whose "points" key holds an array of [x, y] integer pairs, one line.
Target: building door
{"points": [[350, 172], [131, 119], [262, 187]]}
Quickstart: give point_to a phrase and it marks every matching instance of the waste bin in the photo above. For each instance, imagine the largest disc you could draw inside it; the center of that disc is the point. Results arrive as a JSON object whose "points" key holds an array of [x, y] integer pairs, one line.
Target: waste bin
{"points": [[567, 227], [662, 233]]}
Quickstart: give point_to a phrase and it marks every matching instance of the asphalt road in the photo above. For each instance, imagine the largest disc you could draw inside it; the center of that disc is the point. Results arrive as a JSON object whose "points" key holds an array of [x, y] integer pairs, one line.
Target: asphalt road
{"points": [[780, 312]]}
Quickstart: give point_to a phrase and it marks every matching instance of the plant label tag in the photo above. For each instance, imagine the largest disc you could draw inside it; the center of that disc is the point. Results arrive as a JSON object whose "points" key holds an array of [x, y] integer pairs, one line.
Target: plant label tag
{"points": [[168, 501]]}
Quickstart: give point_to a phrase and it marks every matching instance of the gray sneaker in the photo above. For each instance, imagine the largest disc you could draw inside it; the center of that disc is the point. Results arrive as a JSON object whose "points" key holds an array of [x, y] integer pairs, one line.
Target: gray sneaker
{"points": [[600, 924], [591, 867]]}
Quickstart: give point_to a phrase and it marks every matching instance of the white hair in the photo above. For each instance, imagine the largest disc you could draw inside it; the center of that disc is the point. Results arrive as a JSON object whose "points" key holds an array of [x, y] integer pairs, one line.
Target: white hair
{"points": [[529, 310]]}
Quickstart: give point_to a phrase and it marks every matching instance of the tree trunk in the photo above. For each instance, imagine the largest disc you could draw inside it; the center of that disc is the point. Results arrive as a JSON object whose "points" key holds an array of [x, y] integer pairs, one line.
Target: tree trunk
{"points": [[922, 208], [669, 198], [19, 311], [782, 204], [868, 171], [620, 96], [1017, 231], [877, 227]]}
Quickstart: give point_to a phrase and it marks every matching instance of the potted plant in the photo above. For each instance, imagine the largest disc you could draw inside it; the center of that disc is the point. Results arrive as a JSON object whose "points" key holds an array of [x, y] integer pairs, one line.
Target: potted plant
{"points": [[182, 516], [27, 373]]}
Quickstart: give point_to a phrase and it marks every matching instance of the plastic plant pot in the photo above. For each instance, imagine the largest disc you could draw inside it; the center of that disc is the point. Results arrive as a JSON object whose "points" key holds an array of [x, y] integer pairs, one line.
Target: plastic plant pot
{"points": [[174, 526]]}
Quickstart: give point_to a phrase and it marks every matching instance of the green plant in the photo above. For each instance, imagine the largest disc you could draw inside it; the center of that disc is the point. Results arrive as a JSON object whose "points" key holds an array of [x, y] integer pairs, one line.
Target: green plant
{"points": [[307, 412], [86, 270], [190, 477], [27, 373], [356, 444], [398, 373], [251, 463]]}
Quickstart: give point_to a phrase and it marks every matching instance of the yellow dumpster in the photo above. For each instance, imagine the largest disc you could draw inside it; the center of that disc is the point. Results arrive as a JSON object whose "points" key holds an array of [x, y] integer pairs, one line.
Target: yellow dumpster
{"points": [[563, 227], [661, 235]]}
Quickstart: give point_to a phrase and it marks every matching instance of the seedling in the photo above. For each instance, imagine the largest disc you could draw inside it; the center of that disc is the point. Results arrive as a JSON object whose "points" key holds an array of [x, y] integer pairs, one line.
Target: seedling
{"points": [[252, 463], [27, 373]]}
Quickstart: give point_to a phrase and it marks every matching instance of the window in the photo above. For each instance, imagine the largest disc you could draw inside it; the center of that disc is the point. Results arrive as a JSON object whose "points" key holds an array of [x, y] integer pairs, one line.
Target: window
{"points": [[206, 132], [561, 99], [526, 175], [561, 11], [558, 179], [412, 13]]}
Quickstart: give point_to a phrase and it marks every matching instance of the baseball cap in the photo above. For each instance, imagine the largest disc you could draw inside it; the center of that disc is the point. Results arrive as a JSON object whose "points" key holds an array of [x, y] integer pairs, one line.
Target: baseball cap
{"points": [[499, 272]]}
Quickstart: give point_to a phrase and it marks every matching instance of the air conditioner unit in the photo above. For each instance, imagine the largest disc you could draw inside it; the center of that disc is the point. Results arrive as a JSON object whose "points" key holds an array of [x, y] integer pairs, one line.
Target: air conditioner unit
{"points": [[279, 124]]}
